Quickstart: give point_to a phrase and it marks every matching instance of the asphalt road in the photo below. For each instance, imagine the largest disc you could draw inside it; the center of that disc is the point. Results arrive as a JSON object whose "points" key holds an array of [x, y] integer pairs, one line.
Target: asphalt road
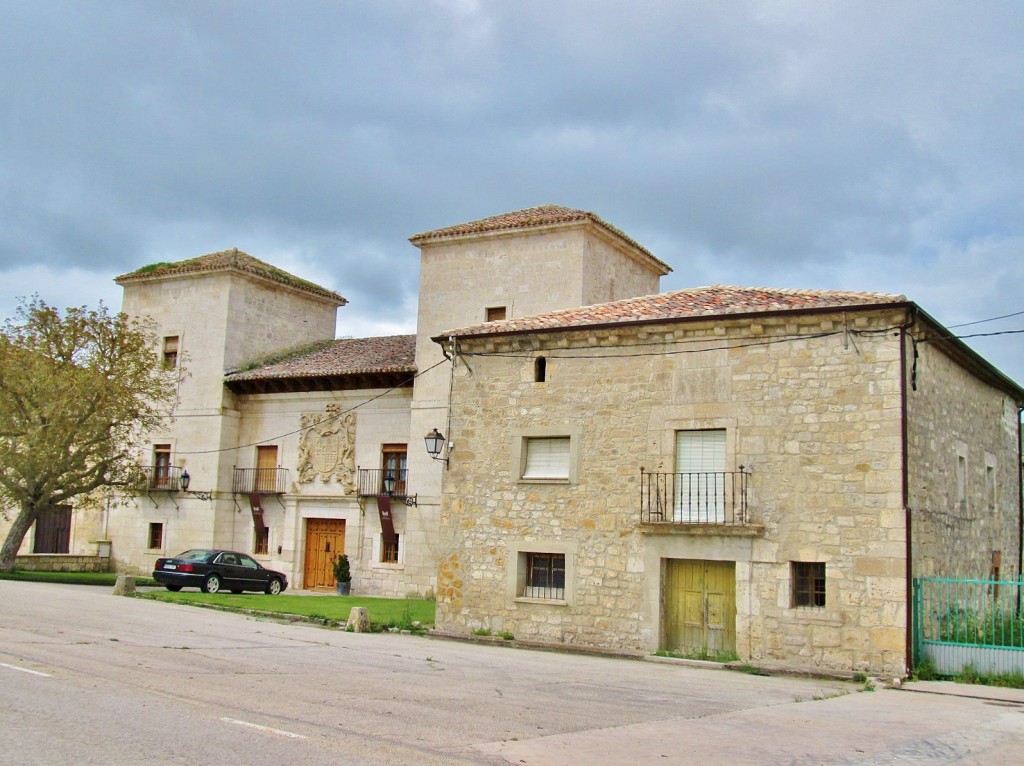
{"points": [[90, 678]]}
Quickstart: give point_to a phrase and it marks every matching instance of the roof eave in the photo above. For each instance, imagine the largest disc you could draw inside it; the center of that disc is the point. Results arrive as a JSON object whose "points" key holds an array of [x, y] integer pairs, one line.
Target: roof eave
{"points": [[323, 294], [626, 323], [603, 230], [965, 356]]}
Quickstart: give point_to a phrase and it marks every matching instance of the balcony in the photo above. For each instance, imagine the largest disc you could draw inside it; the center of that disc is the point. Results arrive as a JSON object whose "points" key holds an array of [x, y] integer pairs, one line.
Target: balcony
{"points": [[262, 481], [378, 481], [688, 500], [157, 478]]}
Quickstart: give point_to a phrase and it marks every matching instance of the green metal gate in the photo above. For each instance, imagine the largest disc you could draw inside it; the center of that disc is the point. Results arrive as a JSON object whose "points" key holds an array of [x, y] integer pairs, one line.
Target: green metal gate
{"points": [[969, 622]]}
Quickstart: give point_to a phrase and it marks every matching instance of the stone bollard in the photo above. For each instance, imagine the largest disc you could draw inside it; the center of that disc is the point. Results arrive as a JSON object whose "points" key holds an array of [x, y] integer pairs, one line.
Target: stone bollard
{"points": [[358, 620], [125, 585]]}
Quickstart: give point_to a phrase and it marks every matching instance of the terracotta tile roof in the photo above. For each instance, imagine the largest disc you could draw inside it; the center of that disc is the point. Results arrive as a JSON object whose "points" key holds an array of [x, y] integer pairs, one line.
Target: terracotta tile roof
{"points": [[716, 300], [348, 356], [528, 218], [227, 260]]}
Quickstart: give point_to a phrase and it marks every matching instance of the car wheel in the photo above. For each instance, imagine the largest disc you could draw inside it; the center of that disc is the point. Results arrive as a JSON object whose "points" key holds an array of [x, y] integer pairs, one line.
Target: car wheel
{"points": [[274, 586], [211, 584], [173, 588]]}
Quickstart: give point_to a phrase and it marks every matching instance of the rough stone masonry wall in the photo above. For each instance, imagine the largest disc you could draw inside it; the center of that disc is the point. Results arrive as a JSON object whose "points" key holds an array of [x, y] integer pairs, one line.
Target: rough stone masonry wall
{"points": [[817, 420], [953, 414]]}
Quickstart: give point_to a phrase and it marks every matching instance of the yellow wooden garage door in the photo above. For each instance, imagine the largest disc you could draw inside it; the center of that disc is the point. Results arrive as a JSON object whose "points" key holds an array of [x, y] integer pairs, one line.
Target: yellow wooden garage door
{"points": [[699, 607]]}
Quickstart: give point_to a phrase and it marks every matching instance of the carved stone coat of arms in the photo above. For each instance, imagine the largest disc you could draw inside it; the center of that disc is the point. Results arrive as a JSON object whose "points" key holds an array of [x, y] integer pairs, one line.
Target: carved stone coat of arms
{"points": [[327, 447]]}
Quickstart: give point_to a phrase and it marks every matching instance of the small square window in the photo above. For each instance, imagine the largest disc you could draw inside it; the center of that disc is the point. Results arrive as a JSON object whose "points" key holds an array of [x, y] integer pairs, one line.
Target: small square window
{"points": [[261, 543], [546, 458], [170, 354], [156, 536], [545, 576], [808, 583], [496, 313], [389, 550]]}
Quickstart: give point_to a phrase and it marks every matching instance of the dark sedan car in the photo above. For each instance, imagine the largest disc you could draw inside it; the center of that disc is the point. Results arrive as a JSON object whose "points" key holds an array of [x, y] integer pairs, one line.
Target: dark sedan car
{"points": [[215, 570]]}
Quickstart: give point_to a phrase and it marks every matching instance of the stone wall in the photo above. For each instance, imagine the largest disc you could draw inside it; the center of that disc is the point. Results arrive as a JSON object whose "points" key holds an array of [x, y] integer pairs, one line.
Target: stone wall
{"points": [[49, 562], [963, 480], [815, 419]]}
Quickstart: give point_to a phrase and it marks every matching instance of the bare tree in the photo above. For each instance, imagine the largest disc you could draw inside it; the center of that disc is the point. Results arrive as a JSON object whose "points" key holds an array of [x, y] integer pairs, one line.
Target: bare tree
{"points": [[78, 392]]}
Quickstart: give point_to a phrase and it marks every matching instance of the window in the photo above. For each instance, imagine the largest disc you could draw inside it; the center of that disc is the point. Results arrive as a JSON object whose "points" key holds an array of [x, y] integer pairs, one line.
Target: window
{"points": [[540, 370], [394, 462], [700, 476], [990, 488], [389, 550], [156, 536], [961, 482], [545, 576], [170, 355], [495, 313], [261, 543], [161, 466], [266, 469], [808, 583], [546, 458]]}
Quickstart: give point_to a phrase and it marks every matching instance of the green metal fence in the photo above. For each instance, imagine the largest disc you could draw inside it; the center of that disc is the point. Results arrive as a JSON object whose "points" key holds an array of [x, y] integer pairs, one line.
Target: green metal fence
{"points": [[969, 622]]}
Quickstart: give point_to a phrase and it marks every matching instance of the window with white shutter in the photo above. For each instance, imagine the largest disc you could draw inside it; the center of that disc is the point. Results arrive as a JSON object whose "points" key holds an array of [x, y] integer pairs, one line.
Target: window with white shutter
{"points": [[700, 476], [547, 458]]}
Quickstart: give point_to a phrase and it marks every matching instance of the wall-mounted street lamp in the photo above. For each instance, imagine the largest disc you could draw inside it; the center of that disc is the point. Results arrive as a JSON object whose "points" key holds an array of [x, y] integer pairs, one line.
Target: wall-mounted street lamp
{"points": [[435, 442], [185, 480], [389, 483]]}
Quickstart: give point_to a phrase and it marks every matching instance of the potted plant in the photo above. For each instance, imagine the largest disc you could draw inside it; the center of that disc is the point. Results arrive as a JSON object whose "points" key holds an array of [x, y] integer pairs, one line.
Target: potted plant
{"points": [[342, 575]]}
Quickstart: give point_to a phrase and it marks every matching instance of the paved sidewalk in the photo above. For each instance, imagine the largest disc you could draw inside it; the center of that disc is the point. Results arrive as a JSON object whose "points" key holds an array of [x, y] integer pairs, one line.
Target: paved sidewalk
{"points": [[946, 724], [973, 691]]}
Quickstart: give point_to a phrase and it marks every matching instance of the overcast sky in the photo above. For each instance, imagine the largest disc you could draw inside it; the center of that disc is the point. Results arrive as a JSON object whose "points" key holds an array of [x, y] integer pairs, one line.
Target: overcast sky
{"points": [[795, 143]]}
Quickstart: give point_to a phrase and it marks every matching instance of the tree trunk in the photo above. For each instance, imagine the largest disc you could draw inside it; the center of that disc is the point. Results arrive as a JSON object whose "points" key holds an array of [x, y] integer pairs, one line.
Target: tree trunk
{"points": [[20, 527]]}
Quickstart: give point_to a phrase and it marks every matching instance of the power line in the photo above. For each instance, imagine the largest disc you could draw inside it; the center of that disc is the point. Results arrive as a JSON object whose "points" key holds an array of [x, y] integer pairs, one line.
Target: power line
{"points": [[982, 321], [318, 422]]}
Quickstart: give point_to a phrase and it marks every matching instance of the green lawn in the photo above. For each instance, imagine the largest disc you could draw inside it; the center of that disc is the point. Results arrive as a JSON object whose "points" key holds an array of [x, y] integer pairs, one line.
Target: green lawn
{"points": [[384, 612], [72, 578]]}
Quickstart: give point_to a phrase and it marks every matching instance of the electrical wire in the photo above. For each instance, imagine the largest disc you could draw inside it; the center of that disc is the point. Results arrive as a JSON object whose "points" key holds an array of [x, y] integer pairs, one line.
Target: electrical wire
{"points": [[982, 321], [532, 354], [403, 384]]}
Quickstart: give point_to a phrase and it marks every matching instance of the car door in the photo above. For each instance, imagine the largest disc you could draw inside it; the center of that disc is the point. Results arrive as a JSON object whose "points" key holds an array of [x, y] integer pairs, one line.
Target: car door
{"points": [[251, 573], [231, 571]]}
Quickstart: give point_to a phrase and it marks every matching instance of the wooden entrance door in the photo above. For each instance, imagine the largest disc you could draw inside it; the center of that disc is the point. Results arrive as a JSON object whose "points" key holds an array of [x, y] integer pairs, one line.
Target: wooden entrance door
{"points": [[699, 607], [325, 541], [53, 530]]}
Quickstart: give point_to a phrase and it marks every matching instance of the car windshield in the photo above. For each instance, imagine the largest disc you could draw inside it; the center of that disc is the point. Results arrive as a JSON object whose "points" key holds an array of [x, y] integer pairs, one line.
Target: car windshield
{"points": [[196, 554]]}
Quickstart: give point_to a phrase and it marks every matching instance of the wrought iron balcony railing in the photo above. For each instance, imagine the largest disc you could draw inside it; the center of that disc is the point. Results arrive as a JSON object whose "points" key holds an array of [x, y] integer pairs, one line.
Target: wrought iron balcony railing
{"points": [[262, 481], [709, 498], [157, 478], [381, 481]]}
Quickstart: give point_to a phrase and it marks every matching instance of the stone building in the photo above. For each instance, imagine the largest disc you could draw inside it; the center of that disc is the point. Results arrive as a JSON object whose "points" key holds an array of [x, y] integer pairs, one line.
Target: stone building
{"points": [[722, 470]]}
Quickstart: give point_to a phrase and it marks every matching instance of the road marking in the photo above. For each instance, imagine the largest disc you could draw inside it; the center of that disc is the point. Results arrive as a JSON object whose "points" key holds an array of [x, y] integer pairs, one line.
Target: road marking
{"points": [[263, 728], [25, 670]]}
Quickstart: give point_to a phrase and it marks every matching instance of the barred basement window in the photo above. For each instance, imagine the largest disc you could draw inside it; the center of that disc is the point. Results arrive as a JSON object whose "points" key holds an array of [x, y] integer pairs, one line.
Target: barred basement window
{"points": [[808, 583], [545, 576], [156, 536]]}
